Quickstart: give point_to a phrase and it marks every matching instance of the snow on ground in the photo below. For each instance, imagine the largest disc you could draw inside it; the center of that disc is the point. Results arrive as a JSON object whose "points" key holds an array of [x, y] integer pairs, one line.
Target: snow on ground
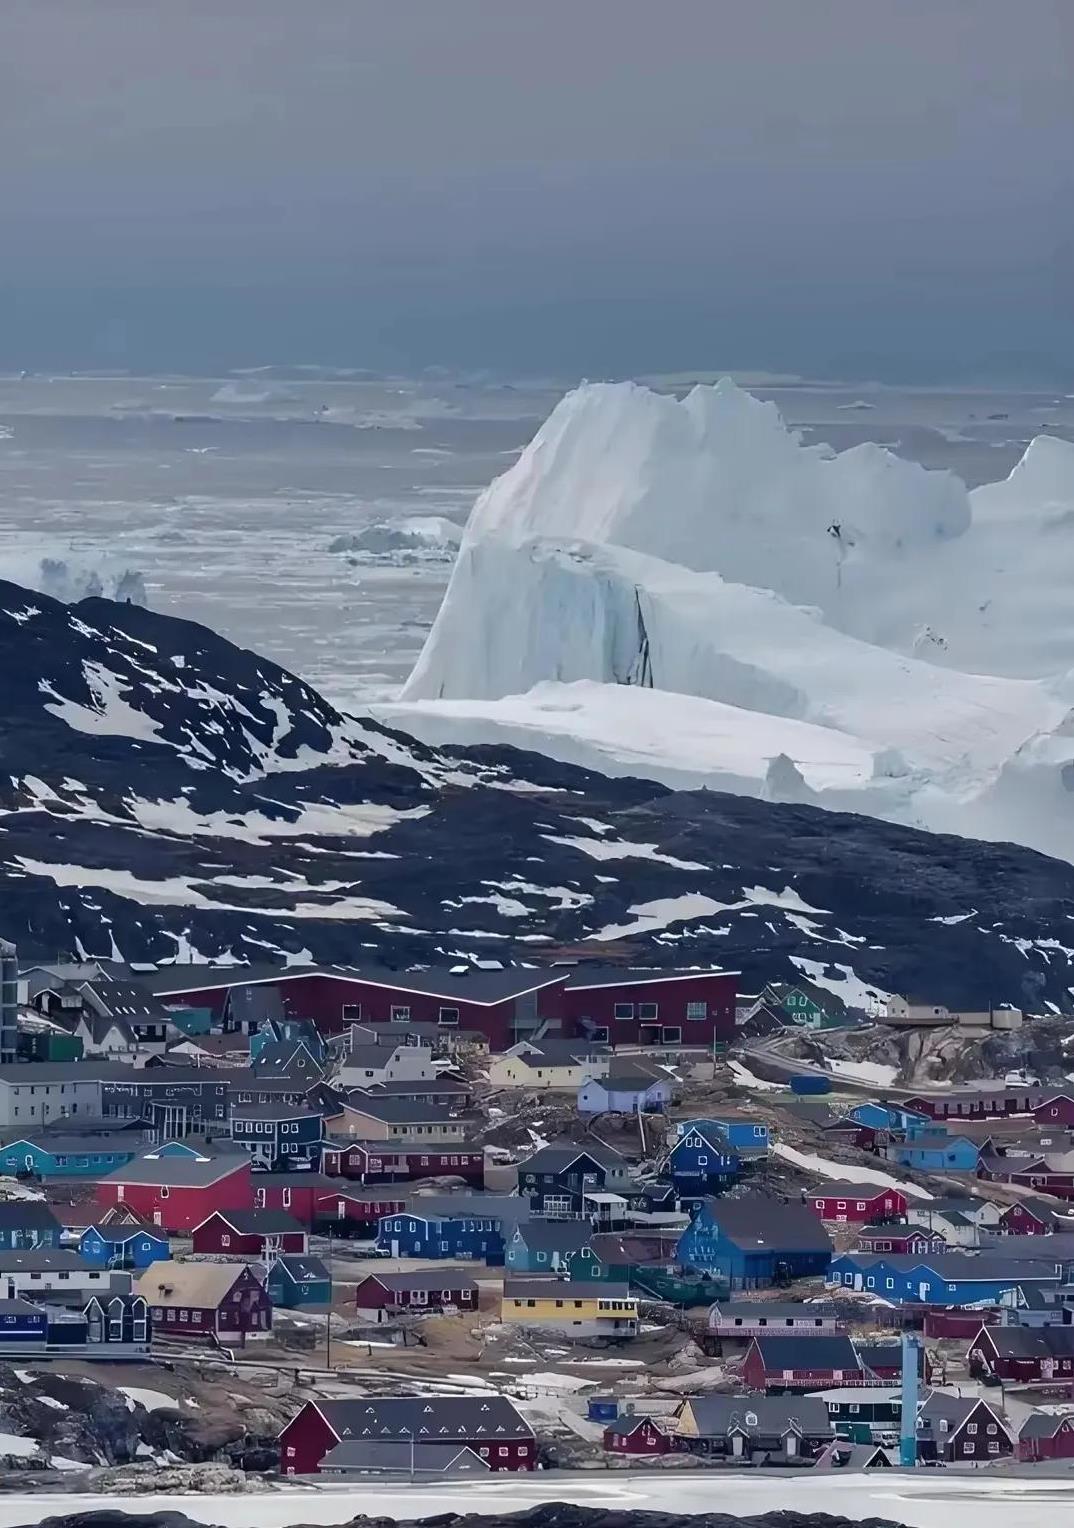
{"points": [[661, 913], [922, 1499], [846, 984], [14, 1447], [872, 1072], [844, 1172], [746, 1079], [152, 1400]]}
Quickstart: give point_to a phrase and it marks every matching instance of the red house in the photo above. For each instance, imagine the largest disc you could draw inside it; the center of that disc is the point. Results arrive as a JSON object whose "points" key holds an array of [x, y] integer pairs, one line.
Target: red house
{"points": [[864, 1202], [178, 1193], [882, 1362], [378, 1162], [199, 1300], [353, 1212], [901, 1239], [249, 1233], [636, 1435], [975, 1103], [1060, 1106], [624, 1006], [1023, 1353], [802, 1363], [1046, 1437], [424, 1289], [297, 1193], [489, 1424], [1032, 1217]]}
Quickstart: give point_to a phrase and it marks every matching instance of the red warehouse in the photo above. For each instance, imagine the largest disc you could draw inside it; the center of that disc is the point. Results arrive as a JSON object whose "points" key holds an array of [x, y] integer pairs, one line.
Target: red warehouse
{"points": [[636, 1435], [376, 1162], [976, 1103], [178, 1193], [862, 1202], [801, 1363], [489, 1425], [424, 1289], [198, 1300], [249, 1233], [643, 1007]]}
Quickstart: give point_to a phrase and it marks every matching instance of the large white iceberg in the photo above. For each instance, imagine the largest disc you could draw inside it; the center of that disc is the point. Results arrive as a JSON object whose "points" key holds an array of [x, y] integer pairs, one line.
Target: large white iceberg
{"points": [[769, 593]]}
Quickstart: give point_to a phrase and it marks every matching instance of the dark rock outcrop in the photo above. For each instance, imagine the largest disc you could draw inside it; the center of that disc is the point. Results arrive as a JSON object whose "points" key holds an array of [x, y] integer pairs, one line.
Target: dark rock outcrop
{"points": [[547, 1515]]}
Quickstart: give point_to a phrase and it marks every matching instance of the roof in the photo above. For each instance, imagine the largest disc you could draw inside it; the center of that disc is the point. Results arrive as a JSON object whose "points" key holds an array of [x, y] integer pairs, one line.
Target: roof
{"points": [[27, 1214], [128, 1000], [459, 1206], [257, 1222], [629, 1424], [90, 1069], [631, 1074], [840, 1189], [425, 1417], [760, 1415], [773, 1310], [555, 1050], [640, 1246], [885, 1355], [273, 1111], [300, 1267], [174, 1283], [425, 1278], [952, 1409], [429, 1087], [179, 1172], [1032, 1342], [555, 1235], [74, 1145], [563, 1289], [465, 982], [959, 1266], [429, 1458], [753, 1222], [594, 975], [375, 1057], [44, 1260], [399, 1111], [819, 1352], [557, 1156], [1044, 1424]]}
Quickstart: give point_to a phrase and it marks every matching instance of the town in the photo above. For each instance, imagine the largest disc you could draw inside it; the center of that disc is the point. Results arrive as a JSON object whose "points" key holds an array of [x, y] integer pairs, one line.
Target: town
{"points": [[485, 1218]]}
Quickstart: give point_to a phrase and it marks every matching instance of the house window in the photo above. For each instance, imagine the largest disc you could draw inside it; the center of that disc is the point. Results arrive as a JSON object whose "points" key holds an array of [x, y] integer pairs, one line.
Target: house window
{"points": [[449, 1016], [400, 1013], [624, 1010], [697, 1011], [352, 1012], [225, 1241], [967, 1448], [648, 1010], [971, 1428], [165, 1193]]}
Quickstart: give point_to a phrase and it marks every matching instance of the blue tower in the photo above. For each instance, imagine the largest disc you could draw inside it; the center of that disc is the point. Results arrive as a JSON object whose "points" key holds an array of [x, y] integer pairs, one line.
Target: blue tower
{"points": [[911, 1355]]}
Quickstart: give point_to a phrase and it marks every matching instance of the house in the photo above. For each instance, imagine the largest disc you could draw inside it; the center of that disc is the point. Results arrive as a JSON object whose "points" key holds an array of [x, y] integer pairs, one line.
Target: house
{"points": [[1057, 1106], [811, 1362], [754, 1241], [57, 1275], [113, 1015], [882, 1362], [123, 1246], [293, 1059], [420, 1461], [861, 1456], [637, 1435], [959, 1221], [1023, 1354], [489, 1424], [878, 1121], [546, 1246], [962, 1104], [761, 1318], [864, 1203], [1032, 1217], [555, 1178], [32, 1093], [375, 1162], [639, 1257], [178, 1193], [199, 1300], [901, 1239], [295, 1281], [618, 1005], [249, 1233], [452, 1225], [423, 1289], [552, 1064], [574, 1310], [943, 1278], [755, 1429], [441, 1091], [112, 1326], [702, 1162], [47, 1154], [962, 1430], [366, 1118], [862, 1407], [391, 1061], [1046, 1435], [923, 1012], [803, 1005], [743, 1132], [346, 1212], [27, 1223], [627, 1087], [443, 1041], [939, 1153], [278, 1136]]}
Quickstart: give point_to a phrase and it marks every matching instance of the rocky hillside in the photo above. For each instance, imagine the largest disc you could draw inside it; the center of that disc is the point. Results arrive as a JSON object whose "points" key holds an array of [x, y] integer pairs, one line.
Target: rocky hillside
{"points": [[165, 795], [549, 1515]]}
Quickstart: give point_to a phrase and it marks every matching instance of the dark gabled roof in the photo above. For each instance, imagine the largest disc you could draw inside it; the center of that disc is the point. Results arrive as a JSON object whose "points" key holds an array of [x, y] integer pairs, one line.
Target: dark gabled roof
{"points": [[1032, 1342], [362, 1455], [300, 1267], [75, 1145], [180, 1172], [640, 1247], [258, 1222], [91, 1069], [625, 1426], [773, 1310], [511, 1207], [557, 1156], [753, 1223], [594, 975], [400, 1111], [425, 1278], [825, 1350], [426, 1418], [27, 1215], [555, 1235], [1044, 1424], [960, 1266], [842, 1189], [555, 1050], [128, 1000], [562, 1289], [955, 1410], [286, 1058], [631, 1074], [301, 1180], [274, 1111], [885, 1355], [376, 1057], [433, 1087], [761, 1415], [44, 1260], [468, 983]]}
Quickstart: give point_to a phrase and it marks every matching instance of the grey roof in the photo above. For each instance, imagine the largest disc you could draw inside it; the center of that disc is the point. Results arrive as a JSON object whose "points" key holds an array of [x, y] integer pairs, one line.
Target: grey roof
{"points": [[281, 1109], [632, 1074], [761, 1415], [27, 1215], [426, 1278], [885, 1355], [91, 1069], [361, 1455], [630, 1423], [772, 1310], [301, 1267], [259, 1222], [463, 1206], [826, 1350], [754, 1222], [471, 984], [286, 1057], [128, 1000], [426, 1418], [400, 1111], [555, 1235], [375, 1057], [555, 1050], [593, 975], [562, 1289], [952, 1409], [557, 1156], [837, 1188], [73, 1145], [955, 1266], [431, 1087], [44, 1260], [179, 1172], [1032, 1342], [1043, 1424]]}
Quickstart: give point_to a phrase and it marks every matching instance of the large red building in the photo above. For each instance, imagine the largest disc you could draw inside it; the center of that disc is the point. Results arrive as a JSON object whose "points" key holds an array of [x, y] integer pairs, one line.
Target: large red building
{"points": [[178, 1193], [489, 1424], [863, 1203], [622, 1005], [249, 1233], [378, 1162]]}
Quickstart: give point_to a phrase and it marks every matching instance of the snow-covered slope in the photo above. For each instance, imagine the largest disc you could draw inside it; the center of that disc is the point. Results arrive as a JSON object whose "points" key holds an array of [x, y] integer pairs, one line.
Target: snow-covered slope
{"points": [[696, 548]]}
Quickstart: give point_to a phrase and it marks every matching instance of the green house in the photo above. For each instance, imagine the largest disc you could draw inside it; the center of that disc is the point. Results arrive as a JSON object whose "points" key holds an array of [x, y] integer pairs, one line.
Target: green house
{"points": [[49, 1045], [645, 1262], [806, 1006]]}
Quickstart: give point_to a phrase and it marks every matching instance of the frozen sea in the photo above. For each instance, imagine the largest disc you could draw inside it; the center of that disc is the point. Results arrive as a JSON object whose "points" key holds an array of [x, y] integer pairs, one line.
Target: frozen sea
{"points": [[227, 493]]}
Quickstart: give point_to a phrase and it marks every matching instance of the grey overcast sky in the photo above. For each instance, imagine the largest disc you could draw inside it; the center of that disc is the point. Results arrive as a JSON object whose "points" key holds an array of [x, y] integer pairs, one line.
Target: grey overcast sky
{"points": [[866, 188]]}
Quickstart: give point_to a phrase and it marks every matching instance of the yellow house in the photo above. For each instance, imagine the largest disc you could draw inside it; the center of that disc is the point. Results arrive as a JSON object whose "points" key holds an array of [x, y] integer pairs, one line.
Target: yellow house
{"points": [[573, 1310], [555, 1064]]}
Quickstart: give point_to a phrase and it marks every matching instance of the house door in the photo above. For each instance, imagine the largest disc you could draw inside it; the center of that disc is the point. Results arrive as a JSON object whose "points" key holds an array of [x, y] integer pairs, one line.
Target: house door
{"points": [[792, 1445], [858, 1284], [923, 1293], [157, 1218], [395, 1246], [736, 1445]]}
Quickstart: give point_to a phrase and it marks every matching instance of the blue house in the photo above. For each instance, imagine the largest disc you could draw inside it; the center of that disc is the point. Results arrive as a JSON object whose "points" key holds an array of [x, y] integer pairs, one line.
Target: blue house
{"points": [[941, 1152], [294, 1281], [68, 1156], [702, 1162], [289, 1033], [628, 1087], [22, 1323], [889, 1117], [26, 1223], [546, 1246], [279, 1136], [740, 1131], [477, 1228], [124, 1246], [951, 1278], [755, 1241]]}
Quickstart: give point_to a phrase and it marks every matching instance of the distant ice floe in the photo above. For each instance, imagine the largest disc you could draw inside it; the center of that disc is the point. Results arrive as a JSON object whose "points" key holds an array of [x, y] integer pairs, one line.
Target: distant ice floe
{"points": [[71, 578], [432, 534]]}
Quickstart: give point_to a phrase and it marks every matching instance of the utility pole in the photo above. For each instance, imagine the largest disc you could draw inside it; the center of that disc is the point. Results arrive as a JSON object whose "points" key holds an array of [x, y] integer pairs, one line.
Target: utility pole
{"points": [[328, 1318]]}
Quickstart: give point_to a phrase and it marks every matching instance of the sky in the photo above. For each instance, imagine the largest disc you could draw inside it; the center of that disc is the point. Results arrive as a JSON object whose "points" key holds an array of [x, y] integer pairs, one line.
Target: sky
{"points": [[855, 188]]}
